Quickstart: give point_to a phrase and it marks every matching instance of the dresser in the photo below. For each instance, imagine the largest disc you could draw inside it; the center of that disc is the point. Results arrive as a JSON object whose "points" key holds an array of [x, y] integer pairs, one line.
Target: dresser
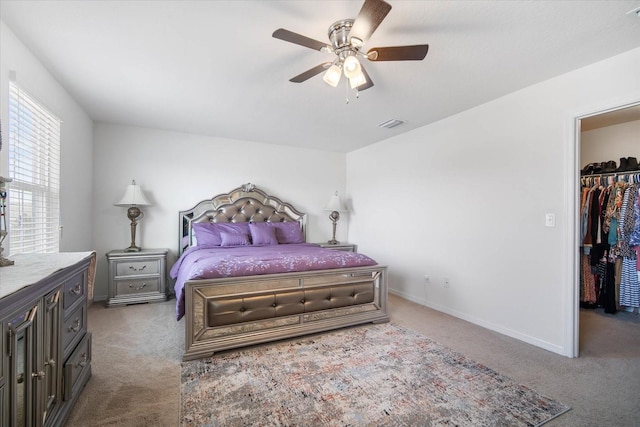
{"points": [[137, 277], [45, 347]]}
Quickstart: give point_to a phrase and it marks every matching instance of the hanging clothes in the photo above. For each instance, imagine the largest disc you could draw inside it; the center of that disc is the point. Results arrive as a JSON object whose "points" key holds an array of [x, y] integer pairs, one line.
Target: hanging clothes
{"points": [[610, 240]]}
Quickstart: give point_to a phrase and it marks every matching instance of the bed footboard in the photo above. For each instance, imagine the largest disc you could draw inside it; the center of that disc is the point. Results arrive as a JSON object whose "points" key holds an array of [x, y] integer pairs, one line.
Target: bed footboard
{"points": [[222, 314]]}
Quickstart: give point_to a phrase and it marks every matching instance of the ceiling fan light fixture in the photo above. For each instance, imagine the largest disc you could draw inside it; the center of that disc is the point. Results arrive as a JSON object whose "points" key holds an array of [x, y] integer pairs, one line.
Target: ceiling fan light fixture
{"points": [[352, 66], [357, 80], [332, 76]]}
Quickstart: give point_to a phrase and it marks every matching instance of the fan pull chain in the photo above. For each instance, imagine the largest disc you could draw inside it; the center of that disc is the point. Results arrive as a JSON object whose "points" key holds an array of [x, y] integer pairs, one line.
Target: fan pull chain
{"points": [[346, 90]]}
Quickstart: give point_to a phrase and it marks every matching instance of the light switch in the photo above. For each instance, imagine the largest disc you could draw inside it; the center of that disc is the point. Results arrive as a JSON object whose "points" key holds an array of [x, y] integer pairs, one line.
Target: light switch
{"points": [[550, 220]]}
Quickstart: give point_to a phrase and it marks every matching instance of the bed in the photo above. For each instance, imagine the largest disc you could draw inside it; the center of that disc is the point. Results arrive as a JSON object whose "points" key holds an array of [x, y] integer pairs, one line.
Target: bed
{"points": [[246, 275]]}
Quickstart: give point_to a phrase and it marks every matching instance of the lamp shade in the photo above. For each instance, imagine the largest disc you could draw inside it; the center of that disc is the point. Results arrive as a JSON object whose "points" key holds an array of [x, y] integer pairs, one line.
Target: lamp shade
{"points": [[133, 196], [335, 204]]}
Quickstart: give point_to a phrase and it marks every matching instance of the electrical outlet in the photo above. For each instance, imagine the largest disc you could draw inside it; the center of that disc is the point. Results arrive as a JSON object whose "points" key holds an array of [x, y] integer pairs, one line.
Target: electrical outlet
{"points": [[446, 282]]}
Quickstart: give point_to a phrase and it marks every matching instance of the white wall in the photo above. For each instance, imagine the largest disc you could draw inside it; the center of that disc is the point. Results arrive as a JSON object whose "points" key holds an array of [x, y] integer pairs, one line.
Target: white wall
{"points": [[610, 143], [177, 170], [465, 199], [76, 137]]}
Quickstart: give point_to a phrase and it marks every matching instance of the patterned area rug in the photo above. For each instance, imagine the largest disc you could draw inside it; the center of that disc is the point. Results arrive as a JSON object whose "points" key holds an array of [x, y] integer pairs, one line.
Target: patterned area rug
{"points": [[382, 375]]}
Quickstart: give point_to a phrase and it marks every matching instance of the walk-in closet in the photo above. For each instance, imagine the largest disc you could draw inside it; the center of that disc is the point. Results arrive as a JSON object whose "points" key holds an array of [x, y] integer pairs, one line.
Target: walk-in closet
{"points": [[609, 218]]}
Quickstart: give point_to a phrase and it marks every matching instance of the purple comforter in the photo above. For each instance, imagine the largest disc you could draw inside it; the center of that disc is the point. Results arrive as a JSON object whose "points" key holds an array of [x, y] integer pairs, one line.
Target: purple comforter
{"points": [[211, 262]]}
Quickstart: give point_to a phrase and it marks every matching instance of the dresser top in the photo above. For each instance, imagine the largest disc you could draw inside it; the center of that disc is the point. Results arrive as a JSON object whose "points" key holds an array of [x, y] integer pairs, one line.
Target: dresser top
{"points": [[31, 268]]}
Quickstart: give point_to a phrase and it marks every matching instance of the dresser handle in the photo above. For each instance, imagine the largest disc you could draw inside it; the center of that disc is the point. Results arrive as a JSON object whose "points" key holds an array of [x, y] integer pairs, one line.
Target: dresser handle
{"points": [[137, 288], [131, 267], [39, 375], [51, 363], [75, 327], [77, 290], [84, 361]]}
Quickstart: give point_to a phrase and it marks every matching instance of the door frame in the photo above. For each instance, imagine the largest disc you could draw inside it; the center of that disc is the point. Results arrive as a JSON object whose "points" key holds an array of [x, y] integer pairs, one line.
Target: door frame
{"points": [[572, 203]]}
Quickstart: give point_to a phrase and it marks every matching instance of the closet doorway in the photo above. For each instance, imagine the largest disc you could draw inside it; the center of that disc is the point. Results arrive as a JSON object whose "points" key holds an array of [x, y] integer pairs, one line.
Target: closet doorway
{"points": [[609, 150]]}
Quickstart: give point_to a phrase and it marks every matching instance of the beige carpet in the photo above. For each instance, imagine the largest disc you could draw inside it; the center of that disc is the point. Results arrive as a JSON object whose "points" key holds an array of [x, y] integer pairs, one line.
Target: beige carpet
{"points": [[137, 354], [136, 367]]}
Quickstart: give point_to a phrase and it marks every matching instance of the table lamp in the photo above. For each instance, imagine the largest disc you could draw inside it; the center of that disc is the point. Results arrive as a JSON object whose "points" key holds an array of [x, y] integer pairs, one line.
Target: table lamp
{"points": [[335, 206], [133, 197]]}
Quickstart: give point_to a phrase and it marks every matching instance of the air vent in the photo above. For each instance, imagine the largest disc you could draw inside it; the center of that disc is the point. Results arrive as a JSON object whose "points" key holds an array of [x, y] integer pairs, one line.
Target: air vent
{"points": [[391, 123]]}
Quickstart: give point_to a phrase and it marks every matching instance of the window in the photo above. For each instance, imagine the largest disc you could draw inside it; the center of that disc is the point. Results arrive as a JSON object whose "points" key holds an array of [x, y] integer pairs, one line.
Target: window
{"points": [[34, 165]]}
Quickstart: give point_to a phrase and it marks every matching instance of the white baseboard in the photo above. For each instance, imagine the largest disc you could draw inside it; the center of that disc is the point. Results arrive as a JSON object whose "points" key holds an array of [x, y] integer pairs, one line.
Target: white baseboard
{"points": [[480, 322]]}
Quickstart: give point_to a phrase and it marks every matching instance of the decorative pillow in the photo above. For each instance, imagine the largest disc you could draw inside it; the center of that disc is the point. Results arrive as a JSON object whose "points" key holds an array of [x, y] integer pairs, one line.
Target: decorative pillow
{"points": [[234, 239], [206, 234], [263, 233], [232, 227], [288, 232], [209, 233]]}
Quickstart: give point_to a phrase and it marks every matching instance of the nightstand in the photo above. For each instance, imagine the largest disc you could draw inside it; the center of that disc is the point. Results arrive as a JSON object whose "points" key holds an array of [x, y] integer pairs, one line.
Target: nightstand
{"points": [[343, 246], [137, 277]]}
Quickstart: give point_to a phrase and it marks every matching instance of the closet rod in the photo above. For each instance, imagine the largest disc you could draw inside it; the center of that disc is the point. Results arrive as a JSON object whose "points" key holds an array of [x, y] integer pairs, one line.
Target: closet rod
{"points": [[629, 176]]}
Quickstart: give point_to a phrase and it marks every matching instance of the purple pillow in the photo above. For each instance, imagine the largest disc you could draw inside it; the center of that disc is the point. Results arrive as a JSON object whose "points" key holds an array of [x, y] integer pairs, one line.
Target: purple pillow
{"points": [[288, 232], [206, 234], [234, 239], [263, 233], [209, 233]]}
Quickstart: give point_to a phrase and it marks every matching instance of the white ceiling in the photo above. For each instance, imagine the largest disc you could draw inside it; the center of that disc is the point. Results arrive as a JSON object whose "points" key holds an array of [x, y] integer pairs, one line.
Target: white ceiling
{"points": [[212, 67]]}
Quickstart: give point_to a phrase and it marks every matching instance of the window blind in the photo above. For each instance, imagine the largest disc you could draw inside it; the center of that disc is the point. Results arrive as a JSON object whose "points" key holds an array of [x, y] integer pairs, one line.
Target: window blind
{"points": [[34, 165]]}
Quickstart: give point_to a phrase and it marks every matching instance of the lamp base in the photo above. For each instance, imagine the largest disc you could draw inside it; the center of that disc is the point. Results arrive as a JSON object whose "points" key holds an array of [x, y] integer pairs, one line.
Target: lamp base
{"points": [[334, 216], [132, 249], [4, 262]]}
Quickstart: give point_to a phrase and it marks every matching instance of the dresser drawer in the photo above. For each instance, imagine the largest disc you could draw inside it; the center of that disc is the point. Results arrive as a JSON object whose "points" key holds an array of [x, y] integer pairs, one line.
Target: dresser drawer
{"points": [[74, 289], [137, 286], [73, 329], [137, 268], [77, 367]]}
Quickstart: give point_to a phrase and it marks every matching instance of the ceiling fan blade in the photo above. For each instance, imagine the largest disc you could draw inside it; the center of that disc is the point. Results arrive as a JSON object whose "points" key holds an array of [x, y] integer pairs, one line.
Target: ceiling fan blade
{"points": [[370, 16], [291, 37], [368, 83], [398, 53], [310, 73]]}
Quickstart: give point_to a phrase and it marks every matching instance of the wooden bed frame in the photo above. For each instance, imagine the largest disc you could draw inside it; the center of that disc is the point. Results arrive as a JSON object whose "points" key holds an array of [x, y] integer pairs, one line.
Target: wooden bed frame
{"points": [[263, 308]]}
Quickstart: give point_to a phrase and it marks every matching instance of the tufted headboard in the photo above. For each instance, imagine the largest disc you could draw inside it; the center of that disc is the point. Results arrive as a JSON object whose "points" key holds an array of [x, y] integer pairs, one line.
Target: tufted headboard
{"points": [[243, 204]]}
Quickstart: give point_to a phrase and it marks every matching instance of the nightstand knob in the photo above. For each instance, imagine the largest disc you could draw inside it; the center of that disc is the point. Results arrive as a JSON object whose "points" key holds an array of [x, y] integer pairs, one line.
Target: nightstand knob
{"points": [[131, 267], [137, 288]]}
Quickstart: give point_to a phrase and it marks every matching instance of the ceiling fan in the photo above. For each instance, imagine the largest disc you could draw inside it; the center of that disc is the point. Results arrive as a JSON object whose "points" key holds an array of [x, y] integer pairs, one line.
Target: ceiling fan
{"points": [[347, 38]]}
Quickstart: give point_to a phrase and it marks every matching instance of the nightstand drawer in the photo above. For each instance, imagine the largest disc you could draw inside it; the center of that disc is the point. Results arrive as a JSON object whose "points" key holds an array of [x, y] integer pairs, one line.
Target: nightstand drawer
{"points": [[137, 268], [73, 329], [137, 286], [348, 247], [73, 290]]}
